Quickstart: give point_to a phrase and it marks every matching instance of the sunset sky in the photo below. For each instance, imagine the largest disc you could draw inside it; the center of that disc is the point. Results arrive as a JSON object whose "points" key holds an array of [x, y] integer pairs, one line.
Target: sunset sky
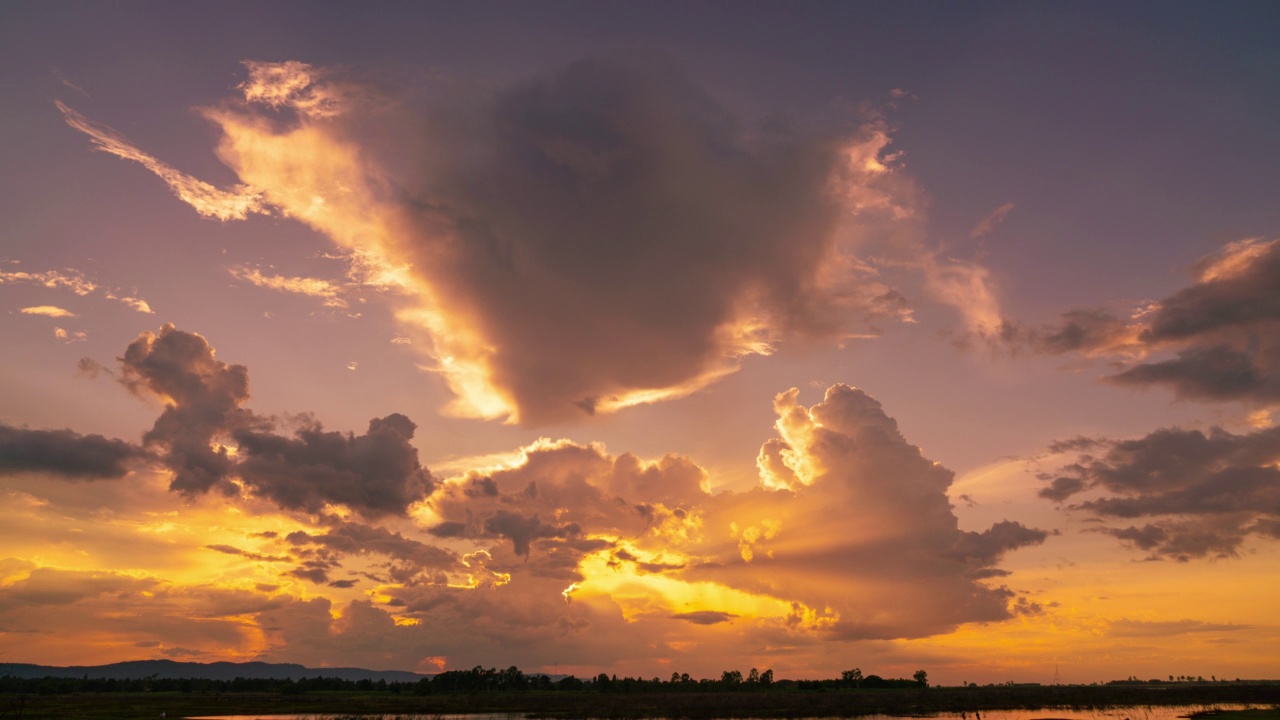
{"points": [[643, 337]]}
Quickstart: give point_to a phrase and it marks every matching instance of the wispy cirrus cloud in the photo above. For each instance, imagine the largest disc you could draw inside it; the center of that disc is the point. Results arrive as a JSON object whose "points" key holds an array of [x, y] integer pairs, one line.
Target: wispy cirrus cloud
{"points": [[76, 282], [72, 280], [1165, 628], [235, 204], [992, 219], [136, 303], [329, 292]]}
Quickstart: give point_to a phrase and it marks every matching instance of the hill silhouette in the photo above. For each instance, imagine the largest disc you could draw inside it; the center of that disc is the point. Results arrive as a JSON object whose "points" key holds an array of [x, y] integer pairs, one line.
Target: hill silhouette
{"points": [[171, 670]]}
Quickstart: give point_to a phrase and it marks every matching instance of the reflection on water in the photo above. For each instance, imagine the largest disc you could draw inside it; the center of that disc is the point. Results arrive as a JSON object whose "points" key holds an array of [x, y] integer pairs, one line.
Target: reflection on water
{"points": [[1141, 712]]}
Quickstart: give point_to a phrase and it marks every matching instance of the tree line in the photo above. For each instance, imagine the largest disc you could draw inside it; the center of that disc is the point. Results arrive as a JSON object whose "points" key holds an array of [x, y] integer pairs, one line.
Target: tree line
{"points": [[459, 682]]}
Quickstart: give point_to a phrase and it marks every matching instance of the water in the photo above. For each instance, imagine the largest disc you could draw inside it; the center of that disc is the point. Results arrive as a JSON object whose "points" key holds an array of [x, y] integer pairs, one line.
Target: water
{"points": [[1143, 712]]}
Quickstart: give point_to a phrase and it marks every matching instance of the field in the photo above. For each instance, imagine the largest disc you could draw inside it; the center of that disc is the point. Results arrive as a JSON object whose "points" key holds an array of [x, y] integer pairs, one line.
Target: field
{"points": [[773, 703]]}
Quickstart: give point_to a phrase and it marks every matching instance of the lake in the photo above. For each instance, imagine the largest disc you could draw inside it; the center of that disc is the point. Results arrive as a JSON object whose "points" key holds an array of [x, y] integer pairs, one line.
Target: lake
{"points": [[1143, 712]]}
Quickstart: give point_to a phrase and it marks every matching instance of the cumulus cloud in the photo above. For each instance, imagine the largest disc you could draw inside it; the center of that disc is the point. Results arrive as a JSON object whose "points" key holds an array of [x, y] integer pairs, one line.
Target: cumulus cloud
{"points": [[65, 454], [202, 397], [854, 494], [375, 474], [1217, 339], [1197, 493], [581, 241], [850, 534]]}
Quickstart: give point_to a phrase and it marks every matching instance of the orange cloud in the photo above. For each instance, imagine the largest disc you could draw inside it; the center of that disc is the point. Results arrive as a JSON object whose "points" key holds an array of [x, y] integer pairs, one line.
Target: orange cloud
{"points": [[556, 257], [235, 204], [52, 311]]}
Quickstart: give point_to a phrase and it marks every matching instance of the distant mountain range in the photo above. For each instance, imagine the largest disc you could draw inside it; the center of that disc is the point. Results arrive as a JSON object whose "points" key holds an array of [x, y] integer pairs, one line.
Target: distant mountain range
{"points": [[168, 669]]}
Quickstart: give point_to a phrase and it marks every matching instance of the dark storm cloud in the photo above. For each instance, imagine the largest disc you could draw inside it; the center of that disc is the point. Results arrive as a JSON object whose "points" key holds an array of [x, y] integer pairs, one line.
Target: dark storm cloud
{"points": [[1222, 332], [622, 174], [704, 617], [1219, 372], [985, 548], [1238, 288], [580, 240], [1061, 488], [375, 474], [64, 454], [1202, 493], [522, 530], [202, 397]]}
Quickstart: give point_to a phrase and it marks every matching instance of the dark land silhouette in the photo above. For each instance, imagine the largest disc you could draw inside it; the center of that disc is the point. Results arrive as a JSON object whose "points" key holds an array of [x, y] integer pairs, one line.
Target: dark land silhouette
{"points": [[93, 695]]}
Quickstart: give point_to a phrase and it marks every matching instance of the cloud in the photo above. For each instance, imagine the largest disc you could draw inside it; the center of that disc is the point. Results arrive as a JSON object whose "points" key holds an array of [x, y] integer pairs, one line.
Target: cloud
{"points": [[968, 287], [68, 608], [202, 397], [327, 291], [350, 538], [135, 303], [1165, 628], [70, 336], [858, 541], [62, 78], [989, 223], [52, 311], [375, 474], [850, 535], [235, 204], [1217, 339], [522, 530], [705, 617], [294, 85], [1203, 493], [854, 495], [64, 454], [500, 215], [72, 280]]}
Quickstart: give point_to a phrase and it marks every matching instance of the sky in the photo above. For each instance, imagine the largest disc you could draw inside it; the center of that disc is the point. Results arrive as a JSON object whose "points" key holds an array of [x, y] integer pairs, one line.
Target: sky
{"points": [[643, 338]]}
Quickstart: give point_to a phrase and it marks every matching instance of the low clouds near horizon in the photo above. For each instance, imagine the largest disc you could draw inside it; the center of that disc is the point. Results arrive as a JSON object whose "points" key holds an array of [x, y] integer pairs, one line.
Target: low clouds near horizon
{"points": [[849, 536]]}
